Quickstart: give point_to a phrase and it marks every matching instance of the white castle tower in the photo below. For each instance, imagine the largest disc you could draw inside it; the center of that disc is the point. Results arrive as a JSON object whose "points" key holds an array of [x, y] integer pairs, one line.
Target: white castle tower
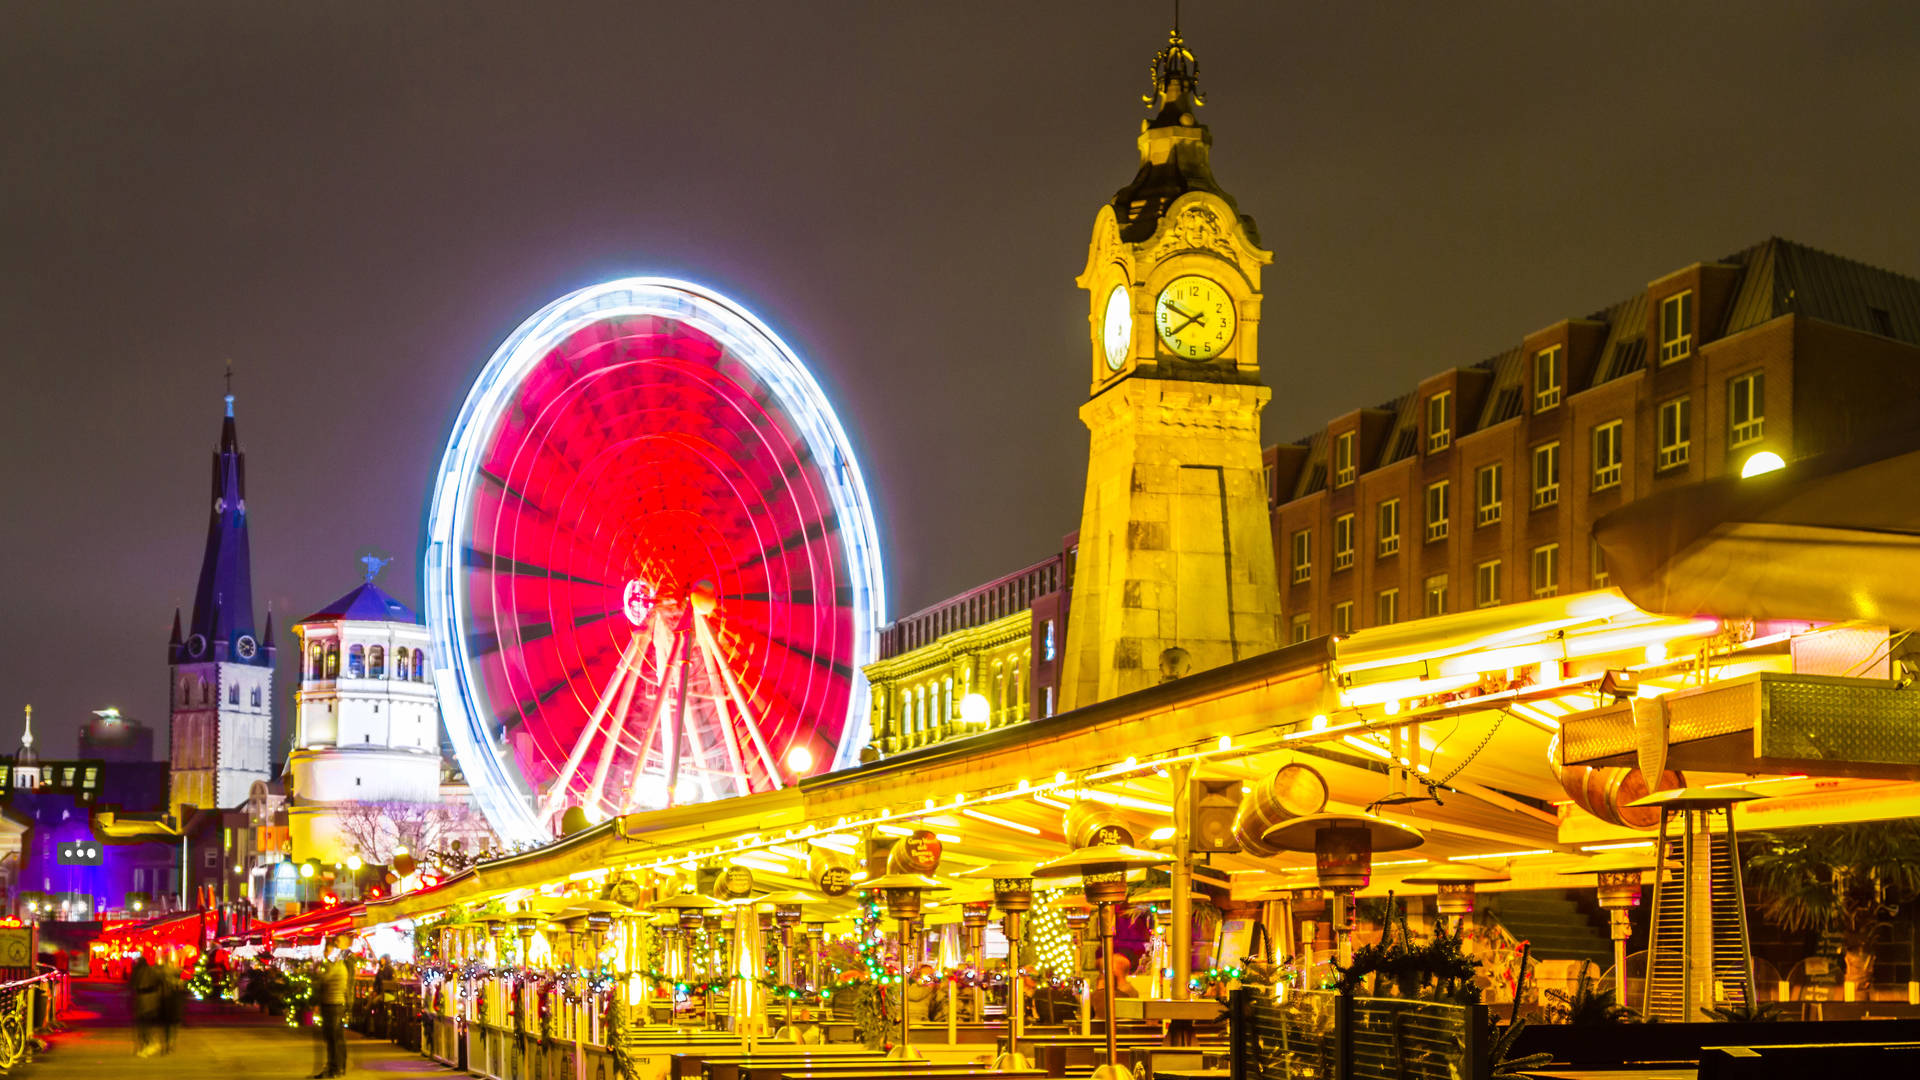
{"points": [[367, 721]]}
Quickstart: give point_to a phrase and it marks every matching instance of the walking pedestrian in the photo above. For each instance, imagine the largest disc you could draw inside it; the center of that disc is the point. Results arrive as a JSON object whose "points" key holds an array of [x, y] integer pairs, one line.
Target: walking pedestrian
{"points": [[144, 984], [173, 1003], [330, 983]]}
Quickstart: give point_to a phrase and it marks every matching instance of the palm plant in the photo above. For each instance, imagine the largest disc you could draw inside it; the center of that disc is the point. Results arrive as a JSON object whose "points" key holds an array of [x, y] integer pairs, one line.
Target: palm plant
{"points": [[1848, 878], [1590, 1004]]}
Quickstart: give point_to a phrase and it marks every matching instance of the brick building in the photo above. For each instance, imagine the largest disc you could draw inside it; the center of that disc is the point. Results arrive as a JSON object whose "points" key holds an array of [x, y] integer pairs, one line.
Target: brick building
{"points": [[1481, 485]]}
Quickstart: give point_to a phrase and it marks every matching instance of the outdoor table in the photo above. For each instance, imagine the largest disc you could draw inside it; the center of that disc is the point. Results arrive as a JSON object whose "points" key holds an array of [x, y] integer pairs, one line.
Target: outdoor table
{"points": [[774, 1070], [937, 1072], [728, 1067]]}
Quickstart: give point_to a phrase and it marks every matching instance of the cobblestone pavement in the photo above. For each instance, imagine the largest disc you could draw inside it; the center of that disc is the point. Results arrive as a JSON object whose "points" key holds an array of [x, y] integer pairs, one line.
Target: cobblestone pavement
{"points": [[218, 1042]]}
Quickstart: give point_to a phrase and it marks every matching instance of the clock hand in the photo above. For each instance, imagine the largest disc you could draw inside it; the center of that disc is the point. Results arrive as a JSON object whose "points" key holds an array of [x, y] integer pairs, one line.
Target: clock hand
{"points": [[1191, 319]]}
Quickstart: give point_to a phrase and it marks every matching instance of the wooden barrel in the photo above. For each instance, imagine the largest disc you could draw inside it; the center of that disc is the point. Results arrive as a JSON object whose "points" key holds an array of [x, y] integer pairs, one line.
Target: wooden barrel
{"points": [[1295, 791], [1609, 792]]}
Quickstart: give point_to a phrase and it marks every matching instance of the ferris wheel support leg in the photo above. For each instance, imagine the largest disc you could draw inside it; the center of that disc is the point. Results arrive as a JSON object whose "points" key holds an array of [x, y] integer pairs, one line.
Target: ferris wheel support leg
{"points": [[616, 723], [727, 739], [557, 794], [740, 702], [677, 734]]}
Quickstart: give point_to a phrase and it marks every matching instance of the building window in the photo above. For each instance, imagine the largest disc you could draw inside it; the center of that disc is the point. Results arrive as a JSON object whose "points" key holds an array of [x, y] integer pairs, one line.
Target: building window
{"points": [[1597, 565], [1607, 452], [1486, 495], [356, 662], [1437, 510], [1046, 701], [233, 694], [1676, 433], [1387, 517], [1343, 617], [1302, 555], [1548, 377], [1302, 628], [1746, 408], [333, 659], [1546, 570], [1676, 327], [1343, 542], [377, 662], [1437, 595], [319, 661], [1546, 475], [1386, 607], [256, 697], [419, 665], [1486, 583], [1439, 421], [1343, 468], [1048, 650]]}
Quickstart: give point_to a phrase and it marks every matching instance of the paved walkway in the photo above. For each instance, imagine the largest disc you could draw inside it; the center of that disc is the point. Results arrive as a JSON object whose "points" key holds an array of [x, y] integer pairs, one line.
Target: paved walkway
{"points": [[218, 1042]]}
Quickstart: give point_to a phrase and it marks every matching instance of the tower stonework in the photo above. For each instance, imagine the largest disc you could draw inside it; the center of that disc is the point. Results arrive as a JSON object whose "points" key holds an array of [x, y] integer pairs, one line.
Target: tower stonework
{"points": [[221, 670], [1175, 571]]}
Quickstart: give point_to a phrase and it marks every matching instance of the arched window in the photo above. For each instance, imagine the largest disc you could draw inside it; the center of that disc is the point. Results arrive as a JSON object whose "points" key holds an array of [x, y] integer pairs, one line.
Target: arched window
{"points": [[400, 661], [356, 662], [206, 692], [333, 659], [377, 662], [319, 661], [1017, 705], [419, 665], [946, 700], [256, 697], [233, 693]]}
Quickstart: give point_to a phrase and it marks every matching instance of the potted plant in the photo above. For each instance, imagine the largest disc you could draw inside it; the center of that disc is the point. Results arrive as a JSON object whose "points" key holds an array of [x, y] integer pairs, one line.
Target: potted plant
{"points": [[1849, 878]]}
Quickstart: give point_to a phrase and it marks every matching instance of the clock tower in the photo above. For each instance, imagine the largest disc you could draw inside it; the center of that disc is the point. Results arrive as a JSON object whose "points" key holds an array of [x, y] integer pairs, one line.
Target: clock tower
{"points": [[1175, 572]]}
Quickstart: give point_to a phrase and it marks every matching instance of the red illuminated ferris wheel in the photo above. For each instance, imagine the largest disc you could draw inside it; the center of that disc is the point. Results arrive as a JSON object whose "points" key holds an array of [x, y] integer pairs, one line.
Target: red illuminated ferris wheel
{"points": [[651, 567]]}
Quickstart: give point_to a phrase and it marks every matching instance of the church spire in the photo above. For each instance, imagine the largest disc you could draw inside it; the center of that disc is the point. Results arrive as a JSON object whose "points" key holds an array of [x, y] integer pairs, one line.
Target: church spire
{"points": [[1176, 81], [223, 602], [26, 754]]}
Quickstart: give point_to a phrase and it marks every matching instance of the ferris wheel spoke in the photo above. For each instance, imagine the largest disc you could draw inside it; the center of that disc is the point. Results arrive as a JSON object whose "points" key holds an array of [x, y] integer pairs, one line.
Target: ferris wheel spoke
{"points": [[740, 702], [623, 673], [724, 725], [502, 564], [617, 723]]}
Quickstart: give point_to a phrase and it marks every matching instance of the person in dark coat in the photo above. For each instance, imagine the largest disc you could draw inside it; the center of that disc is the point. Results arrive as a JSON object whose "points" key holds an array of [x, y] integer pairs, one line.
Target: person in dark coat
{"points": [[144, 984], [331, 982], [173, 1003]]}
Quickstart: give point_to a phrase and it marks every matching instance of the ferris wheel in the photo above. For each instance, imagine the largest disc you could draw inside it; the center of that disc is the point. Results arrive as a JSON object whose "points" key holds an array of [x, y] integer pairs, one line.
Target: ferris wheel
{"points": [[652, 574]]}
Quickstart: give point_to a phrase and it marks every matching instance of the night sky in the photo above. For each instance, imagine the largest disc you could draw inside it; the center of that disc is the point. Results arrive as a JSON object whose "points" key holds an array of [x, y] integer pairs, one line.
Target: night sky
{"points": [[355, 202]]}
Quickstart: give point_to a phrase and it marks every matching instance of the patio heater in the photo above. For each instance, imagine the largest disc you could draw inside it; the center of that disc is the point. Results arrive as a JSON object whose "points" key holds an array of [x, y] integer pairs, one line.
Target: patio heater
{"points": [[1456, 882], [1013, 895], [1699, 953], [689, 912], [787, 909], [902, 894], [1617, 878], [1102, 869], [1343, 847]]}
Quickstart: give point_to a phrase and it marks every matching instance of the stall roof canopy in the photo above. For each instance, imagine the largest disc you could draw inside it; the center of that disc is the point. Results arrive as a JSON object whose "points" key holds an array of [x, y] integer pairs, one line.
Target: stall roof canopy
{"points": [[1444, 725]]}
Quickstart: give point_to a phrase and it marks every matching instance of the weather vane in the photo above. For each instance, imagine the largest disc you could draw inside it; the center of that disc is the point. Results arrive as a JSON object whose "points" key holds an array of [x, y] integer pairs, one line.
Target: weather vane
{"points": [[374, 565], [1175, 72]]}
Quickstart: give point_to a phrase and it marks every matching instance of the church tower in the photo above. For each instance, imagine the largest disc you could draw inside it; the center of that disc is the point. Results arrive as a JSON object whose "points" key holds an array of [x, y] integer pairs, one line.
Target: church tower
{"points": [[1175, 572], [222, 669]]}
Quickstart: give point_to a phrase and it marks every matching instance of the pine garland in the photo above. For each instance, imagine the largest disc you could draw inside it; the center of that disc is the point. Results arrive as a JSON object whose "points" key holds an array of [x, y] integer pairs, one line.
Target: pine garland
{"points": [[1439, 970]]}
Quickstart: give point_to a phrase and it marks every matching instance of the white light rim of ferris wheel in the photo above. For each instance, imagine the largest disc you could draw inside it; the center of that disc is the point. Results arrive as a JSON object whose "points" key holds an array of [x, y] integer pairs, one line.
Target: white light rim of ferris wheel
{"points": [[483, 757]]}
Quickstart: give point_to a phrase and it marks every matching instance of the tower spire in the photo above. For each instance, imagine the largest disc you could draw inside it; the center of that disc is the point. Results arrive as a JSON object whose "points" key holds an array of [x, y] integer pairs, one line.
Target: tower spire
{"points": [[223, 601], [26, 734], [1176, 81]]}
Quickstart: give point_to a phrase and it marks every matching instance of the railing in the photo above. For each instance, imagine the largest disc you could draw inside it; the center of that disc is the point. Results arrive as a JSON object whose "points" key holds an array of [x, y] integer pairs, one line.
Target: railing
{"points": [[1320, 1035], [27, 1006]]}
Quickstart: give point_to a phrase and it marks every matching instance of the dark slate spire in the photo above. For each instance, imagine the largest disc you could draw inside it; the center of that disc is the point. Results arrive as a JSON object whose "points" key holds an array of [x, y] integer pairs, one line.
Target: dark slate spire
{"points": [[223, 603]]}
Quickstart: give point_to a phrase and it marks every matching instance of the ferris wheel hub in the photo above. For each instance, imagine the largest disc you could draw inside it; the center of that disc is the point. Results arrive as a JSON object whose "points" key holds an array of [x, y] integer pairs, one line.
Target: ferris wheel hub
{"points": [[704, 596]]}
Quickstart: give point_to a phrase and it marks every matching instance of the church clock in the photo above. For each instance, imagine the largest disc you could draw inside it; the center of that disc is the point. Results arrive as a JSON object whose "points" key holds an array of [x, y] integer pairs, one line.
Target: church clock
{"points": [[1194, 315]]}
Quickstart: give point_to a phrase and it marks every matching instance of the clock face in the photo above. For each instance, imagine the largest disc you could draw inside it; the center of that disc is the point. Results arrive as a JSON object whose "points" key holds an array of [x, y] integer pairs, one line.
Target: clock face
{"points": [[1195, 317], [1118, 335], [246, 646]]}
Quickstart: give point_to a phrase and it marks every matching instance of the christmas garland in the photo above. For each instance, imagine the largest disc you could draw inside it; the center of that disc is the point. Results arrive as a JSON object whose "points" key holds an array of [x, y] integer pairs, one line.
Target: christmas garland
{"points": [[1439, 970]]}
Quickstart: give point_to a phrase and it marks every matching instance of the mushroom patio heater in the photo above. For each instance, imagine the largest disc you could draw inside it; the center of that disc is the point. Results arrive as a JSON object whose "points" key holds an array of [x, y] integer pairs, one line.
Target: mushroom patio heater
{"points": [[787, 909], [1456, 882], [689, 912], [1617, 878], [1013, 895], [1343, 847], [902, 894], [1102, 869]]}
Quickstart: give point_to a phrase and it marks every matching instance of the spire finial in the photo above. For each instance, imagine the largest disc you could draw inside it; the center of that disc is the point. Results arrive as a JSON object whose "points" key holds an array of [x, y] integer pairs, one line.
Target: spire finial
{"points": [[26, 736], [229, 388], [1176, 74], [374, 565]]}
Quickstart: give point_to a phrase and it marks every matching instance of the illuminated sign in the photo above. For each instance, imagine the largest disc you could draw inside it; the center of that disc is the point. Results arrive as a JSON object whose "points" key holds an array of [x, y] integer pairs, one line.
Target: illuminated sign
{"points": [[80, 853]]}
